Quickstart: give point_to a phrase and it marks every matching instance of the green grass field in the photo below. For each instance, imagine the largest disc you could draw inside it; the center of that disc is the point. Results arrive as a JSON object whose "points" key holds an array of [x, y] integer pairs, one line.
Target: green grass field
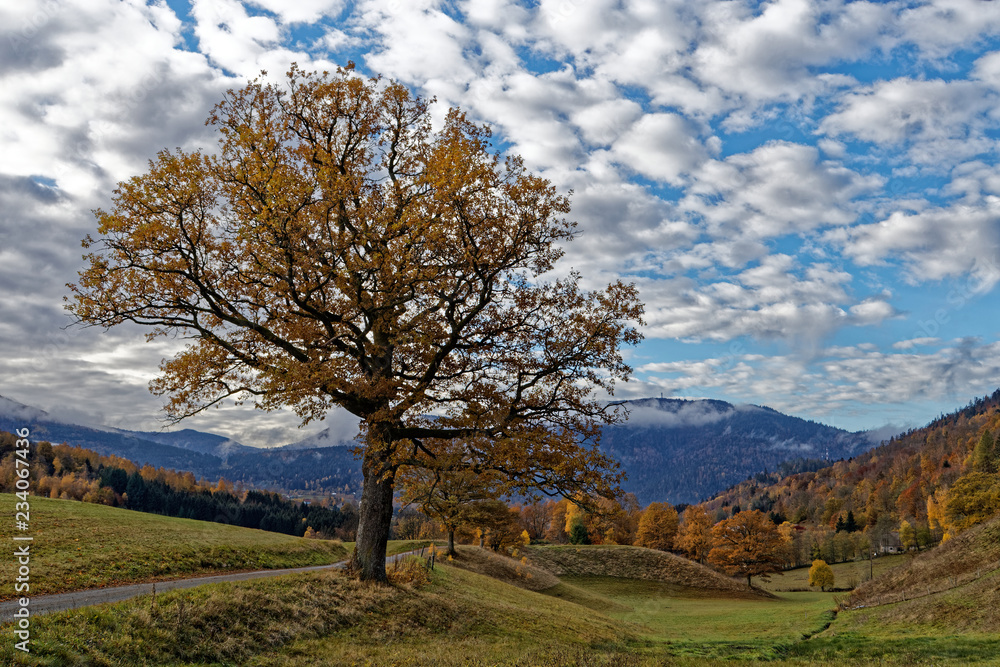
{"points": [[81, 545], [681, 621], [846, 575]]}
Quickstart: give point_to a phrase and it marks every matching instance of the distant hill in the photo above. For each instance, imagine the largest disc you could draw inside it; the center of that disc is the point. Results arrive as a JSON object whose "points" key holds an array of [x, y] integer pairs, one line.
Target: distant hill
{"points": [[893, 480], [196, 441], [135, 446], [207, 455], [673, 450], [683, 451]]}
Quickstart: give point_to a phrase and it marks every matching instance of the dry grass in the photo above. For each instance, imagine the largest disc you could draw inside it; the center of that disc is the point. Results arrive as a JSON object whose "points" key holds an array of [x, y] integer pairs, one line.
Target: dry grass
{"points": [[508, 570], [963, 561], [227, 623], [626, 562]]}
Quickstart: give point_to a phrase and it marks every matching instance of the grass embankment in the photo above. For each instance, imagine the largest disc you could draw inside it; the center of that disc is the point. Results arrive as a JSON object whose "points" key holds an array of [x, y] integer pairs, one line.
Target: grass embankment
{"points": [[634, 563], [943, 604], [325, 618], [497, 566], [81, 545]]}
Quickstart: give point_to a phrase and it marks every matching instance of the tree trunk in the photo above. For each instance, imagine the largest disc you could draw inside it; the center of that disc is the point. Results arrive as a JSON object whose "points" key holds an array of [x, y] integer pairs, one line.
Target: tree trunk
{"points": [[748, 581], [451, 542], [374, 516]]}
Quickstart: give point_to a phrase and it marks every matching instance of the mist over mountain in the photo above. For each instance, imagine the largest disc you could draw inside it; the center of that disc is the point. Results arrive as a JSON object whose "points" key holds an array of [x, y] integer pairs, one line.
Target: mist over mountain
{"points": [[673, 450], [683, 451]]}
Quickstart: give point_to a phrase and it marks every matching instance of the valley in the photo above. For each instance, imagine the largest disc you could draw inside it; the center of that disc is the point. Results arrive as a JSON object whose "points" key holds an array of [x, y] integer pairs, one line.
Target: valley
{"points": [[597, 614]]}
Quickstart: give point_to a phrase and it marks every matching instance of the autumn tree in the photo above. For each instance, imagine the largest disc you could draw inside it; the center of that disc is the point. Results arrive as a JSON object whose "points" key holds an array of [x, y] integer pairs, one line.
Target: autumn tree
{"points": [[907, 535], [615, 520], [972, 499], [694, 537], [335, 250], [657, 527], [447, 489], [747, 544], [821, 574], [557, 531], [498, 524], [536, 518]]}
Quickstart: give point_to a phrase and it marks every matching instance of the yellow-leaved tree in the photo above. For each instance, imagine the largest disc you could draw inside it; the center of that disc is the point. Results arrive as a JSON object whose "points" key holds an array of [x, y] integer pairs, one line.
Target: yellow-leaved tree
{"points": [[694, 537], [821, 574], [657, 527], [335, 250]]}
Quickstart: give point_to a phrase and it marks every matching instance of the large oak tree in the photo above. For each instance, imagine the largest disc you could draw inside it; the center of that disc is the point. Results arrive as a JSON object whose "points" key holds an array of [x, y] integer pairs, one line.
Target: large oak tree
{"points": [[337, 251]]}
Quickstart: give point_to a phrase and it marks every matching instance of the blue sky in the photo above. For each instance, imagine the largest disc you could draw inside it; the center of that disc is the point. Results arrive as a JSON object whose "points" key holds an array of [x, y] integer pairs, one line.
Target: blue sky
{"points": [[806, 192]]}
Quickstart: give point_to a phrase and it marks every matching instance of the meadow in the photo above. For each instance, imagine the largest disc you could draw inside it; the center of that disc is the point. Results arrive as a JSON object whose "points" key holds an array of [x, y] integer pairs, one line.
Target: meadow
{"points": [[484, 609], [79, 545]]}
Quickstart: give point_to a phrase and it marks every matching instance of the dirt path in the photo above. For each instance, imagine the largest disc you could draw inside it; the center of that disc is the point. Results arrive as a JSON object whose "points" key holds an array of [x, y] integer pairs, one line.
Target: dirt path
{"points": [[47, 604]]}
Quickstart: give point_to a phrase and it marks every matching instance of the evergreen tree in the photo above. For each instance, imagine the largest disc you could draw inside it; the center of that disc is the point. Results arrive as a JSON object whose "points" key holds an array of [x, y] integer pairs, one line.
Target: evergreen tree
{"points": [[851, 525], [984, 455], [841, 526], [578, 533], [136, 490]]}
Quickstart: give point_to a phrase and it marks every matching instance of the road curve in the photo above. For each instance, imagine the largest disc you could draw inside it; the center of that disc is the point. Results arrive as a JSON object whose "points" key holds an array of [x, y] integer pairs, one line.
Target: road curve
{"points": [[47, 604]]}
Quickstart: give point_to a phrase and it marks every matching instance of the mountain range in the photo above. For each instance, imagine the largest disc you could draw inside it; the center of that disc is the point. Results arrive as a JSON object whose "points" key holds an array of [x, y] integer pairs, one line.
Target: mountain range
{"points": [[673, 450], [683, 451]]}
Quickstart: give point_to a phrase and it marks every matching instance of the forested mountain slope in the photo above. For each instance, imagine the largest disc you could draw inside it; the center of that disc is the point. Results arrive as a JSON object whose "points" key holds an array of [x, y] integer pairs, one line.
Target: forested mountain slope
{"points": [[929, 477]]}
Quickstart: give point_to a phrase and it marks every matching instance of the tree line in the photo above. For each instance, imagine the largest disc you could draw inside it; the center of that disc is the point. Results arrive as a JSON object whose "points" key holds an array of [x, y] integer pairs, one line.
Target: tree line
{"points": [[74, 473]]}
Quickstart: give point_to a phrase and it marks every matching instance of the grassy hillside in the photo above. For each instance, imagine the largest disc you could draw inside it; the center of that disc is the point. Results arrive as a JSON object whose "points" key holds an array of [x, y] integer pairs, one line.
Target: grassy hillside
{"points": [[846, 575], [503, 568], [954, 586], [633, 563], [942, 606], [325, 618], [82, 545]]}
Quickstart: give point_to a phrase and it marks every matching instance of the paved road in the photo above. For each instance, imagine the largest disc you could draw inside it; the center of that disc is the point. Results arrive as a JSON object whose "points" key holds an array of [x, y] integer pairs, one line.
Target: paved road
{"points": [[46, 604]]}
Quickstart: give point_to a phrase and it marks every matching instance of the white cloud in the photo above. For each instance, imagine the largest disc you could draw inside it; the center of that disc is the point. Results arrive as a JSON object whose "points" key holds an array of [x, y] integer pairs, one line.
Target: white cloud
{"points": [[767, 55], [301, 11], [779, 188], [836, 382], [937, 120], [915, 342], [939, 26], [954, 241], [775, 300], [661, 146]]}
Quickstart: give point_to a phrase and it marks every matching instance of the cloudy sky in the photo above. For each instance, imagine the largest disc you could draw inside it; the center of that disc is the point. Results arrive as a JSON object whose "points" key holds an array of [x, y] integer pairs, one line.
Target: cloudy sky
{"points": [[806, 192]]}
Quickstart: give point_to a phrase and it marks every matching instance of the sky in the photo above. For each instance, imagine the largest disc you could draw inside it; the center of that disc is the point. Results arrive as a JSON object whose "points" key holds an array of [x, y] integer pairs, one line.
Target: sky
{"points": [[806, 192]]}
